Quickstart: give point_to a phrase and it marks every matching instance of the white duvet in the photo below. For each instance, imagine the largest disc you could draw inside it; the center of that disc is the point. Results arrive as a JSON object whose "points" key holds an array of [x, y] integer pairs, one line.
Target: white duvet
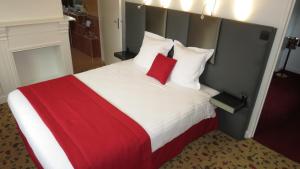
{"points": [[164, 111]]}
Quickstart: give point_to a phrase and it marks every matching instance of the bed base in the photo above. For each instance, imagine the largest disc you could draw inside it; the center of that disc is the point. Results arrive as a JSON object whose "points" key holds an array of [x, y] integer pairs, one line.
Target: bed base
{"points": [[164, 154]]}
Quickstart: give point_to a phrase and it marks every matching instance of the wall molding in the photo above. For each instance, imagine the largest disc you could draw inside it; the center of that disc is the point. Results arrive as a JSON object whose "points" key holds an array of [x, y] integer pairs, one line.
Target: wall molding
{"points": [[3, 33]]}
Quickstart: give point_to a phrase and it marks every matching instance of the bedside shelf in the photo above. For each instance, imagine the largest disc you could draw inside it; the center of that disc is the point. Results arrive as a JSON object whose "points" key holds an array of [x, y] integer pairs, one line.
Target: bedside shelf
{"points": [[125, 55], [228, 102]]}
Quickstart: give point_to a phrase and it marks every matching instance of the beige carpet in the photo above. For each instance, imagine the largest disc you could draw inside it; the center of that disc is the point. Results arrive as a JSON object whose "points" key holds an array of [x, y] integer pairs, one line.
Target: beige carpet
{"points": [[215, 150]]}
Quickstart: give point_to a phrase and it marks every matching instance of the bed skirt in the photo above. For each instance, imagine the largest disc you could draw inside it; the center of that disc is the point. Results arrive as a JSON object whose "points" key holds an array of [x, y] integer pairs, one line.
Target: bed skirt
{"points": [[165, 153], [175, 147]]}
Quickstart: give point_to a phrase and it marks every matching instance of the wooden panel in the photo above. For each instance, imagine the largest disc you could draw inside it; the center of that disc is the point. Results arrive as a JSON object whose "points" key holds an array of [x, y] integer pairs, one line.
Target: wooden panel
{"points": [[95, 25], [87, 45], [91, 7], [87, 40]]}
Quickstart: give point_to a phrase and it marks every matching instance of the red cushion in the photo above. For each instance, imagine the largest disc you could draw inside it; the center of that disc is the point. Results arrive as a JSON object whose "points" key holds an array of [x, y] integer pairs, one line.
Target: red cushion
{"points": [[161, 68]]}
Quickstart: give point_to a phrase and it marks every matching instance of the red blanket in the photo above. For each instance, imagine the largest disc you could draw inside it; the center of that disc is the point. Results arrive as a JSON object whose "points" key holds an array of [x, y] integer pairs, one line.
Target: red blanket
{"points": [[92, 132]]}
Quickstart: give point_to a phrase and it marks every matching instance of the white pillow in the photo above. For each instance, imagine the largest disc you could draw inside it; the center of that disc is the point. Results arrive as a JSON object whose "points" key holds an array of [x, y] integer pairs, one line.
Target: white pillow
{"points": [[153, 35], [152, 45], [190, 65]]}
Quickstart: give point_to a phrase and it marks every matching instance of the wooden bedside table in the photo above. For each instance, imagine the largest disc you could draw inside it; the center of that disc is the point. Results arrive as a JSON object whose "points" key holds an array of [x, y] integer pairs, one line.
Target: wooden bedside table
{"points": [[125, 55]]}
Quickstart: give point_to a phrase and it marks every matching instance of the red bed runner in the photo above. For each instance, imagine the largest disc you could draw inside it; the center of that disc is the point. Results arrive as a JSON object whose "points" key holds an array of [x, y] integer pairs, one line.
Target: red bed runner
{"points": [[92, 132]]}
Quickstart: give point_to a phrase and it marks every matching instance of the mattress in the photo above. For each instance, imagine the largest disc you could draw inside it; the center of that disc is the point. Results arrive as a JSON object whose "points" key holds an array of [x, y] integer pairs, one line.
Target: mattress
{"points": [[164, 111]]}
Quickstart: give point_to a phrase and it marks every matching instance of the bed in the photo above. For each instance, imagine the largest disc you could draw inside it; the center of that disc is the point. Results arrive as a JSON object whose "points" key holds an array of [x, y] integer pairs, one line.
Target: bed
{"points": [[178, 113]]}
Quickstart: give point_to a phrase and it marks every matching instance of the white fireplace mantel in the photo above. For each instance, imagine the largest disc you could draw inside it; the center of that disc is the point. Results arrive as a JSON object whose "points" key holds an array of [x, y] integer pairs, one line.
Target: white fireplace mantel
{"points": [[16, 37]]}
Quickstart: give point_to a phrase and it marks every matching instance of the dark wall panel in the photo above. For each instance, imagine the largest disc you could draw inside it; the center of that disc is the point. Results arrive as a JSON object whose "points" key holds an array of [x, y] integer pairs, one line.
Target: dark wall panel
{"points": [[239, 66], [156, 19], [135, 26], [204, 33], [177, 26]]}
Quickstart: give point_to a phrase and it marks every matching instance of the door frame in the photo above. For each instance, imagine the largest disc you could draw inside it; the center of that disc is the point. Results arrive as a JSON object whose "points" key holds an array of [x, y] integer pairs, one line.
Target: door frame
{"points": [[122, 27], [272, 62], [100, 31]]}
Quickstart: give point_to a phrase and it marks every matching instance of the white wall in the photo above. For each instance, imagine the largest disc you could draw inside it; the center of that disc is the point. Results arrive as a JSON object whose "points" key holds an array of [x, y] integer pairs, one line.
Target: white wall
{"points": [[293, 30], [266, 12], [274, 13], [16, 10]]}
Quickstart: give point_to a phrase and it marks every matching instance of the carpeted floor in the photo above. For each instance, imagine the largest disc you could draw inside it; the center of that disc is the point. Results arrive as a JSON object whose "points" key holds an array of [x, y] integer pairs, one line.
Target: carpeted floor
{"points": [[279, 127], [215, 150]]}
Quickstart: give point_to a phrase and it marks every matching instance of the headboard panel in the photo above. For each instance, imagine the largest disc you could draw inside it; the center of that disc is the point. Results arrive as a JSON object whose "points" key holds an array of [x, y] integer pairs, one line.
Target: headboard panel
{"points": [[242, 51], [178, 26], [185, 27], [135, 26], [204, 33], [239, 66], [156, 19], [242, 54]]}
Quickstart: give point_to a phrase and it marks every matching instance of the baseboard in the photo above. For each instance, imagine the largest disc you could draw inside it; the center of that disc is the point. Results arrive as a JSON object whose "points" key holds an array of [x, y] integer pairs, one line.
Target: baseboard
{"points": [[3, 99], [248, 135]]}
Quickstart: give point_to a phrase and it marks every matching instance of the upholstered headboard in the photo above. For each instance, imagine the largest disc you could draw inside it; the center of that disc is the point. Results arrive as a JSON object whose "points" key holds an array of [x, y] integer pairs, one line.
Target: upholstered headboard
{"points": [[241, 52], [185, 27]]}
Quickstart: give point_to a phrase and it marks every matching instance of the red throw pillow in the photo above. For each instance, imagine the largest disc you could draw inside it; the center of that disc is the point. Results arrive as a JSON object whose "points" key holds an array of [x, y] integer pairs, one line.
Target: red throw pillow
{"points": [[161, 68]]}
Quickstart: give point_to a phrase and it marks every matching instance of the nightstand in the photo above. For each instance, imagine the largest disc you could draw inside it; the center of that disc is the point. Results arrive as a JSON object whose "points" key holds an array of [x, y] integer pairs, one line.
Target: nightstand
{"points": [[231, 114], [228, 102], [125, 55]]}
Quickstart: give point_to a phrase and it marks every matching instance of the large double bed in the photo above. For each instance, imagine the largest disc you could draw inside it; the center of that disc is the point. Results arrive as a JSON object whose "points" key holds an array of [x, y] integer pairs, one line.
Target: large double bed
{"points": [[171, 115], [140, 113]]}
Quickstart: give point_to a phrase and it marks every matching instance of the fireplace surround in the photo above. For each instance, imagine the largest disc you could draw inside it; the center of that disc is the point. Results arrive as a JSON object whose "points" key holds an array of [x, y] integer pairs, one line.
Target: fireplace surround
{"points": [[33, 51]]}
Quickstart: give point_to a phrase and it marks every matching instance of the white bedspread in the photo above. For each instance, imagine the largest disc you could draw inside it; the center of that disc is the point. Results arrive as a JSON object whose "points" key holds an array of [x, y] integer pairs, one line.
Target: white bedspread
{"points": [[164, 111]]}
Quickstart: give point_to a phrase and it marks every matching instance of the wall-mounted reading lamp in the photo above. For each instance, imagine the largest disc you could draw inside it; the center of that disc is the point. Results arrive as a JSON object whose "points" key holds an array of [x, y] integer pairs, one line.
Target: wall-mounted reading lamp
{"points": [[140, 6], [145, 2], [211, 4]]}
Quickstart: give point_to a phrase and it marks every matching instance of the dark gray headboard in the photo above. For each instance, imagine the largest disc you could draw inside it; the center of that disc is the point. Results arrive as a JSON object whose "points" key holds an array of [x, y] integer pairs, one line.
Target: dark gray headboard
{"points": [[242, 54], [242, 51], [156, 19], [178, 26], [186, 27], [204, 33], [135, 26]]}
